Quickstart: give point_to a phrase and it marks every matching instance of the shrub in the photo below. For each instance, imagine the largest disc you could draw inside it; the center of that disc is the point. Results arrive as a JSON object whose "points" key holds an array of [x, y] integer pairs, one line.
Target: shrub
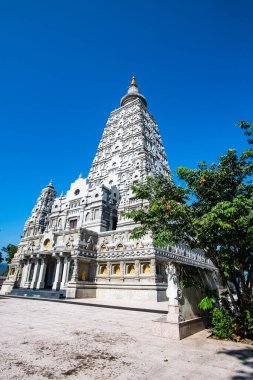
{"points": [[243, 325], [222, 322]]}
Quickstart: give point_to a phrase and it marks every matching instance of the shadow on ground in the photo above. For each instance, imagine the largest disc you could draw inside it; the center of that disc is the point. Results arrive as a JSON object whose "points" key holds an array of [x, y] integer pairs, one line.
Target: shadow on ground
{"points": [[245, 355]]}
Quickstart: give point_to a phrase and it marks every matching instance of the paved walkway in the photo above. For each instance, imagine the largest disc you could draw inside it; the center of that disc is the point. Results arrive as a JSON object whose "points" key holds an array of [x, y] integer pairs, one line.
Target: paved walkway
{"points": [[159, 306], [151, 307], [46, 340]]}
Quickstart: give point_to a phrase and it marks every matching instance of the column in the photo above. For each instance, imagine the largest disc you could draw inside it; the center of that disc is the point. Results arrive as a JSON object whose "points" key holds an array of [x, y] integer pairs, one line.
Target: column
{"points": [[153, 268], [26, 277], [24, 274], [56, 284], [74, 277], [20, 269], [68, 270], [137, 269], [41, 279], [81, 218], [35, 275], [65, 273], [122, 270], [173, 315]]}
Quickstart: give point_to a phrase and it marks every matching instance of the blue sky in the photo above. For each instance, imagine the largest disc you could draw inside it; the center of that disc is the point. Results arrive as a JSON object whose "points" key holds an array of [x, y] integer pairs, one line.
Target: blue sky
{"points": [[64, 65]]}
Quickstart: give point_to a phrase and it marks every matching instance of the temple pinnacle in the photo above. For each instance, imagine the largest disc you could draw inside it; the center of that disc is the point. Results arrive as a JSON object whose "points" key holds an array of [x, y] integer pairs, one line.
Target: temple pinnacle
{"points": [[133, 82], [132, 94]]}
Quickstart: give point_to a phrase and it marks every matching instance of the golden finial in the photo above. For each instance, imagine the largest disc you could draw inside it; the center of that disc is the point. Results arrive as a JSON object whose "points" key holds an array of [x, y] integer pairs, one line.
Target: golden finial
{"points": [[133, 82]]}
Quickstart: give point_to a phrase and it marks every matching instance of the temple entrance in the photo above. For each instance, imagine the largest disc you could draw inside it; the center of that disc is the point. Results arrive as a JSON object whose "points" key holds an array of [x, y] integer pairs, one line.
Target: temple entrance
{"points": [[50, 272]]}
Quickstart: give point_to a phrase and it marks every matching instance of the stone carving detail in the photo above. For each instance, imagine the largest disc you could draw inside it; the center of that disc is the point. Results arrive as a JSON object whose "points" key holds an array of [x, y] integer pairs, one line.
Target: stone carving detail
{"points": [[70, 242]]}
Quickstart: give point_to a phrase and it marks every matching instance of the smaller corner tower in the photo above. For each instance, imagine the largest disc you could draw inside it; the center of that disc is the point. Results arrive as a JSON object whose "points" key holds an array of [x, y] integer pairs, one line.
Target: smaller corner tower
{"points": [[38, 221]]}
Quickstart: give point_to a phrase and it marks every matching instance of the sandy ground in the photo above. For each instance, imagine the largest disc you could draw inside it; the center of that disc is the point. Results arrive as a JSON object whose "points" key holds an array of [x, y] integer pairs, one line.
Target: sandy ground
{"points": [[44, 340]]}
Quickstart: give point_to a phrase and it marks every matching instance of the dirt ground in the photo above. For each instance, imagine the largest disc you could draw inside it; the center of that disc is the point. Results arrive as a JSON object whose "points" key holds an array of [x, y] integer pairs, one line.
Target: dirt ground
{"points": [[45, 340]]}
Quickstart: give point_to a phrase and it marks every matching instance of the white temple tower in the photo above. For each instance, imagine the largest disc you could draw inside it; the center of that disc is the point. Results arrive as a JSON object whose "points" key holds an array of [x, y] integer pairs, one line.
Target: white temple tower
{"points": [[79, 244]]}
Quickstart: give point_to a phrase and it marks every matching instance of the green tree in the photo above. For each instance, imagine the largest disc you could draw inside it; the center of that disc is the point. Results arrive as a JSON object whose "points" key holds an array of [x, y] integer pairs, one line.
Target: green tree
{"points": [[213, 212], [10, 251]]}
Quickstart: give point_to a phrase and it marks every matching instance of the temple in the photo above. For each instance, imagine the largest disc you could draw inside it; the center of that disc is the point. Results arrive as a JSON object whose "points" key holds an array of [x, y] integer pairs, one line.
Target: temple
{"points": [[79, 244]]}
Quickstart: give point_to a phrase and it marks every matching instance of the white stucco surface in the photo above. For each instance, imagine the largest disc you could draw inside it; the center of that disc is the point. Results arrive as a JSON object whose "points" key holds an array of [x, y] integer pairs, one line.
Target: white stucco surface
{"points": [[44, 340]]}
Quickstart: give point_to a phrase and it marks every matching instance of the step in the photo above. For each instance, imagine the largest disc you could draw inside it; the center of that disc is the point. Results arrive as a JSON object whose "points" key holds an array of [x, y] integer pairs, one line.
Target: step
{"points": [[56, 294]]}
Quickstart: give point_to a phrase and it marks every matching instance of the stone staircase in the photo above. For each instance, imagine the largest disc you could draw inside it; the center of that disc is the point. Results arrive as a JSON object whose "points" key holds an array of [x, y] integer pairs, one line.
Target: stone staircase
{"points": [[51, 294]]}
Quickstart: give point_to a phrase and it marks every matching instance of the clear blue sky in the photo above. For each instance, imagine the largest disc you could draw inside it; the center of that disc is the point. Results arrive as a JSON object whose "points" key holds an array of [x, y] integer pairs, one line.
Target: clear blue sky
{"points": [[64, 65]]}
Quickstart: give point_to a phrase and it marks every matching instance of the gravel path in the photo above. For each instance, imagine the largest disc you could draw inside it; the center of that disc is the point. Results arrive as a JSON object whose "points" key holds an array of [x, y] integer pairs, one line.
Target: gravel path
{"points": [[43, 340]]}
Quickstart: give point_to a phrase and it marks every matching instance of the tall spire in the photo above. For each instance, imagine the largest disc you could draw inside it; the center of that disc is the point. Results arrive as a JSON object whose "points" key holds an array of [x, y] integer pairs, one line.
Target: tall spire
{"points": [[132, 94]]}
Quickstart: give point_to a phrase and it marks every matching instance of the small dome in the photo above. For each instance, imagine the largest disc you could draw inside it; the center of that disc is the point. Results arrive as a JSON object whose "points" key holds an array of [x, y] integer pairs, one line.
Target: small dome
{"points": [[132, 94]]}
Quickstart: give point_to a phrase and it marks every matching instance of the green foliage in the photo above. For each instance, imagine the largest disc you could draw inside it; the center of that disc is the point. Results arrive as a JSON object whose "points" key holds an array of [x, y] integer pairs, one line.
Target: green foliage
{"points": [[248, 128], [213, 211], [190, 282], [207, 303], [243, 325], [167, 208], [225, 324], [210, 299], [222, 322], [10, 251]]}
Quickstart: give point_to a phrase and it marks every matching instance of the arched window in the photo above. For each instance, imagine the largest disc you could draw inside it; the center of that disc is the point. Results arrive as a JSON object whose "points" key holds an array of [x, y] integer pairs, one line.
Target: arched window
{"points": [[120, 247], [87, 218], [103, 248], [146, 268], [131, 269], [73, 223], [47, 244], [103, 269], [116, 269]]}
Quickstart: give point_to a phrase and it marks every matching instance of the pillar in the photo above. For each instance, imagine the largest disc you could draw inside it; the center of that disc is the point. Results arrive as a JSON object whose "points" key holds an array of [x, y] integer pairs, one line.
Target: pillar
{"points": [[65, 272], [24, 274], [173, 315], [57, 280], [122, 269], [153, 268], [74, 277], [68, 270], [35, 274], [41, 279], [26, 277], [137, 268]]}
